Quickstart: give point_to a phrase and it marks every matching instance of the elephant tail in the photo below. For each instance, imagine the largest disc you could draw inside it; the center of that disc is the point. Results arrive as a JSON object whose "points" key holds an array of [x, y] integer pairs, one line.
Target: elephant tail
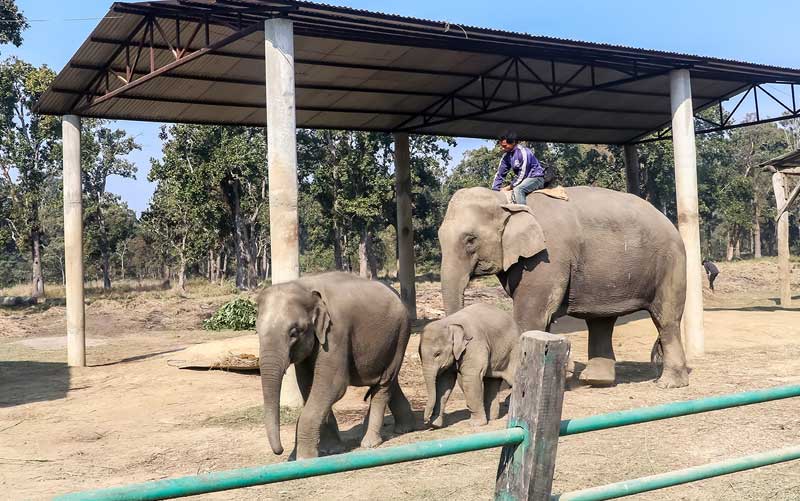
{"points": [[370, 392]]}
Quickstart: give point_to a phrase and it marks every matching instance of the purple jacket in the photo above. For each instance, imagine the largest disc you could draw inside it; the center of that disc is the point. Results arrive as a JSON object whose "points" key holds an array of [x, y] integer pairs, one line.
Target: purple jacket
{"points": [[522, 162]]}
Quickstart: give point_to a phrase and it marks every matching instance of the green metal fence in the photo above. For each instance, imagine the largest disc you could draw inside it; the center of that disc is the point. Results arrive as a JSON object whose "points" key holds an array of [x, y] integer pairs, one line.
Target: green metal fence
{"points": [[517, 442]]}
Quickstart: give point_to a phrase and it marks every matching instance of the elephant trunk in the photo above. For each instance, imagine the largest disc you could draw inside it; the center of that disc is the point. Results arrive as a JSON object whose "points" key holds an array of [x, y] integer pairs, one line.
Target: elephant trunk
{"points": [[272, 370], [455, 278], [433, 398]]}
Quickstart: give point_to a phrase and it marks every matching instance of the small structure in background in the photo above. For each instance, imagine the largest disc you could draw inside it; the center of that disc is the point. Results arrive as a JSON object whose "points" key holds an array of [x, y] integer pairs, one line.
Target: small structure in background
{"points": [[781, 167]]}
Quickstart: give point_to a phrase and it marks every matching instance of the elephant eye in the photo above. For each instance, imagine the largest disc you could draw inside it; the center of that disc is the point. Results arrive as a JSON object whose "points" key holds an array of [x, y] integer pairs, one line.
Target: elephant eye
{"points": [[437, 353], [294, 332], [469, 242]]}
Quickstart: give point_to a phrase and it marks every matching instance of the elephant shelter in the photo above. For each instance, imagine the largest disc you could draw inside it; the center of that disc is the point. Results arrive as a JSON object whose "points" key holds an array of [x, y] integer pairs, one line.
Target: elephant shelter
{"points": [[286, 64], [781, 167]]}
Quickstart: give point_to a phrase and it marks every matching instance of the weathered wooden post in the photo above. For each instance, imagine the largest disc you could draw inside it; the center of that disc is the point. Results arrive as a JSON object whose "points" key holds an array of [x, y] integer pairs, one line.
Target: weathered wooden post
{"points": [[526, 470], [779, 187], [405, 230]]}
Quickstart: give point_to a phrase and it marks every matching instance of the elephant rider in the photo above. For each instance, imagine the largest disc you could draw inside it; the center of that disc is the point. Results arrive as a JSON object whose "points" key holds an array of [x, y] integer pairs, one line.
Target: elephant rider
{"points": [[528, 173]]}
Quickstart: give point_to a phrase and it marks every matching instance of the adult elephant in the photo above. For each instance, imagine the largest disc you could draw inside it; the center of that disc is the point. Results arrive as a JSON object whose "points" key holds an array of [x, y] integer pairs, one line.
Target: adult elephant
{"points": [[597, 256]]}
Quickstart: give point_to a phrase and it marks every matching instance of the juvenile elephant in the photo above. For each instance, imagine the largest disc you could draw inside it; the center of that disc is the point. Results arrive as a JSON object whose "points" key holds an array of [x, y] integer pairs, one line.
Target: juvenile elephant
{"points": [[598, 256], [338, 330], [479, 343]]}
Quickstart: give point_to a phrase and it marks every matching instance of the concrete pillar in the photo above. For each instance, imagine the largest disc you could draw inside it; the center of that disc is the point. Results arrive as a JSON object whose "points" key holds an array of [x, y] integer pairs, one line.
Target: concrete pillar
{"points": [[688, 214], [632, 169], [779, 187], [282, 163], [73, 241], [405, 229]]}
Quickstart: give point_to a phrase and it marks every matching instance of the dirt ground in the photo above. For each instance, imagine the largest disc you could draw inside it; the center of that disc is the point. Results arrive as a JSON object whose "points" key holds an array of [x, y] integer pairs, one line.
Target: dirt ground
{"points": [[131, 416]]}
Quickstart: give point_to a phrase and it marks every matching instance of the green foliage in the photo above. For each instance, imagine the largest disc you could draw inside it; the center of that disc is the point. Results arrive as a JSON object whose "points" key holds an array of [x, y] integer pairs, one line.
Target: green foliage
{"points": [[13, 24], [238, 315]]}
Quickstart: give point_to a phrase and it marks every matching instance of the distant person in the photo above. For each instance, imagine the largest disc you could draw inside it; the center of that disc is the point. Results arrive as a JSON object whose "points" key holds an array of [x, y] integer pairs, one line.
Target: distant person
{"points": [[528, 173], [712, 271]]}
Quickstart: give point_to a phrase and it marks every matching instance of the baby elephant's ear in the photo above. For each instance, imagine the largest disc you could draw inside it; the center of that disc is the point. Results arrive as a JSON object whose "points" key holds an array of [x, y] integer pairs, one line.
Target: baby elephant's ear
{"points": [[321, 318], [460, 340]]}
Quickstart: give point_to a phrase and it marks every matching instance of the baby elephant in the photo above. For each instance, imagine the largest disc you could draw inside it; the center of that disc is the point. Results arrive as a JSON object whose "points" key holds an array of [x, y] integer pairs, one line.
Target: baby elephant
{"points": [[338, 330], [479, 343]]}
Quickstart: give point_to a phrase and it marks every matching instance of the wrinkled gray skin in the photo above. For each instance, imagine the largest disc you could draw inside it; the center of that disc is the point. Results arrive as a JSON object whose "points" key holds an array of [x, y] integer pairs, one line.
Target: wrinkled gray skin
{"points": [[598, 256], [338, 330], [484, 340]]}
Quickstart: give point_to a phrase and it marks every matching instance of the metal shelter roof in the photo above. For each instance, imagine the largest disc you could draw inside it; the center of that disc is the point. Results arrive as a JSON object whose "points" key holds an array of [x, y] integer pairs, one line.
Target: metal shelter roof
{"points": [[786, 161], [201, 61]]}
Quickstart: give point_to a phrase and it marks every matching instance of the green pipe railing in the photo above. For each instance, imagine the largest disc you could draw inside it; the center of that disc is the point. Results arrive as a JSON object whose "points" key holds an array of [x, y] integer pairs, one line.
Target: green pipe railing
{"points": [[675, 409], [259, 475], [655, 482]]}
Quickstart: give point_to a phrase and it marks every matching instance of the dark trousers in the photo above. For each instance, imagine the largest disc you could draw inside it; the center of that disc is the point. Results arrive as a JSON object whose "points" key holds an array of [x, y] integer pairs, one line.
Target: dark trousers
{"points": [[711, 278]]}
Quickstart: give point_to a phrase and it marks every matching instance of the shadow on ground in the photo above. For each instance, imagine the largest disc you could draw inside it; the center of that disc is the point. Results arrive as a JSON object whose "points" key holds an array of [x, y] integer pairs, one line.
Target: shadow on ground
{"points": [[23, 382]]}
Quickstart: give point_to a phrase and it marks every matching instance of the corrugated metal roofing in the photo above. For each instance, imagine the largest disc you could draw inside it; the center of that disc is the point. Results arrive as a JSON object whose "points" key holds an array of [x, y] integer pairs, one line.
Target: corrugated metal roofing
{"points": [[362, 70], [787, 161]]}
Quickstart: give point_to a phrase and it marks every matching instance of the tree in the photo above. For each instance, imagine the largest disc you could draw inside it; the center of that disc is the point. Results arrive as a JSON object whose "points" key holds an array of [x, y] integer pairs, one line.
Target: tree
{"points": [[29, 153], [103, 154], [13, 23]]}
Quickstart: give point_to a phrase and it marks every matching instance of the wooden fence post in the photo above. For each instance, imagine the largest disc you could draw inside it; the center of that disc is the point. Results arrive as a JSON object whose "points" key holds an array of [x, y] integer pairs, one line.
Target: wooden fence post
{"points": [[526, 470]]}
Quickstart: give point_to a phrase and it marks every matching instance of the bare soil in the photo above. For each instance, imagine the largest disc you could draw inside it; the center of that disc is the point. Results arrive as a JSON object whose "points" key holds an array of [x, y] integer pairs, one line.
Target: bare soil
{"points": [[131, 417]]}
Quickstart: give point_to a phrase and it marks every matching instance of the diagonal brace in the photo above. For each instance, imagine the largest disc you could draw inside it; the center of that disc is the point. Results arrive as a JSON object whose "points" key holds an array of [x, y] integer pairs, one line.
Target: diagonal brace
{"points": [[175, 64]]}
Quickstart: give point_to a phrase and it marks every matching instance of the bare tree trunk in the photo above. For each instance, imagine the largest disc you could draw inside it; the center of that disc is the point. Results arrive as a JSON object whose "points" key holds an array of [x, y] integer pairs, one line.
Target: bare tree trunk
{"points": [[337, 246], [757, 229], [737, 250], [224, 273], [265, 264], [729, 253], [182, 274], [362, 255], [371, 261], [37, 278]]}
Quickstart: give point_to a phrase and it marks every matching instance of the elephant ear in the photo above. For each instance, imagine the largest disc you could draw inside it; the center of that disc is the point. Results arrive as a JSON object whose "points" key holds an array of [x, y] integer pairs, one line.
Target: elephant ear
{"points": [[522, 236], [321, 318], [460, 340]]}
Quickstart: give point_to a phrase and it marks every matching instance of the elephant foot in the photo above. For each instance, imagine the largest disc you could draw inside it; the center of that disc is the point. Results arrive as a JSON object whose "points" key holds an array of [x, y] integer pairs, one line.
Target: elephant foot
{"points": [[599, 372], [570, 366], [306, 453], [371, 440], [438, 421], [672, 378], [478, 421], [494, 412], [404, 426]]}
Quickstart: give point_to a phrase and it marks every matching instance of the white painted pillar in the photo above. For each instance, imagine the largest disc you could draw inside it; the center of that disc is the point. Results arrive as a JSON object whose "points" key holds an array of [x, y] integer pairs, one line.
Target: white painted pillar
{"points": [[632, 169], [282, 163], [779, 187], [405, 229], [688, 213], [73, 241]]}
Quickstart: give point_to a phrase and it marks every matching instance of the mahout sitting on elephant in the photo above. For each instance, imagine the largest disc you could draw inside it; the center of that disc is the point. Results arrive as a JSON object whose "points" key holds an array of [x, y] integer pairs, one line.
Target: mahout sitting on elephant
{"points": [[478, 345], [338, 330], [600, 255]]}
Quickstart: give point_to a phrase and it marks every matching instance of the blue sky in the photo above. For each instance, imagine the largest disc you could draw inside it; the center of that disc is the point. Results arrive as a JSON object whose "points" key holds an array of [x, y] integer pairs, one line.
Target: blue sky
{"points": [[762, 32]]}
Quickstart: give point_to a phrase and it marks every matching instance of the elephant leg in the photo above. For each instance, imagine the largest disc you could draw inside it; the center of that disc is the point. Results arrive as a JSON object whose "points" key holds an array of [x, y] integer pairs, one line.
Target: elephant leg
{"points": [[600, 369], [374, 422], [317, 411], [675, 373], [491, 397], [473, 393], [330, 441], [401, 409]]}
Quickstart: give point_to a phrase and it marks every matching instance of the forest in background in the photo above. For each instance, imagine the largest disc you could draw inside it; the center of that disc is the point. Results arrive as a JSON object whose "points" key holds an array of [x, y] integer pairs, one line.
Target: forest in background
{"points": [[209, 215]]}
